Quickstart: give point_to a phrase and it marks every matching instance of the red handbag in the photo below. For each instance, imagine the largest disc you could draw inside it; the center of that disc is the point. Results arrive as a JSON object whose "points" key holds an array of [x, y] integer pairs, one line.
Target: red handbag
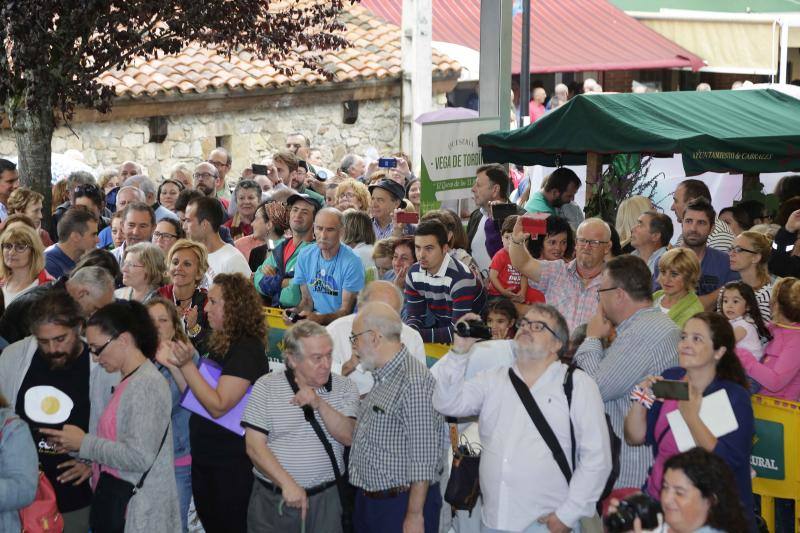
{"points": [[42, 515]]}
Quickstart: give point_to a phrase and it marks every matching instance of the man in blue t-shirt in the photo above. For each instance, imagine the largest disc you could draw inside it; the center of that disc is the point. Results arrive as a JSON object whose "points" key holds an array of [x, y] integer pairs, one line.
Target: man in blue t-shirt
{"points": [[329, 274], [715, 268]]}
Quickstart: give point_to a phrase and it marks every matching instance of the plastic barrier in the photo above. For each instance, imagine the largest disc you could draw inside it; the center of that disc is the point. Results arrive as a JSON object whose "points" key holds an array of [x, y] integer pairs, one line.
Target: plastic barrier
{"points": [[277, 329], [776, 455]]}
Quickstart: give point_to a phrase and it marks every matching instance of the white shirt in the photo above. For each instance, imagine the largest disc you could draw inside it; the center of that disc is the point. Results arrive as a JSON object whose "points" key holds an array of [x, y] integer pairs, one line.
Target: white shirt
{"points": [[227, 260], [478, 246], [340, 330], [520, 480]]}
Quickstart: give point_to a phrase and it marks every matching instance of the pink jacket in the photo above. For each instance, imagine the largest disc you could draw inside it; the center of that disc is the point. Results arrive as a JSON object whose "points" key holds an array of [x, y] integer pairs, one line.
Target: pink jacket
{"points": [[779, 370]]}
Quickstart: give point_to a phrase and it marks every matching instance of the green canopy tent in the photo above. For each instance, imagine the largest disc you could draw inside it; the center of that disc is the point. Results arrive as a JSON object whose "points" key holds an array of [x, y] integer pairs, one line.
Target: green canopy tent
{"points": [[743, 131]]}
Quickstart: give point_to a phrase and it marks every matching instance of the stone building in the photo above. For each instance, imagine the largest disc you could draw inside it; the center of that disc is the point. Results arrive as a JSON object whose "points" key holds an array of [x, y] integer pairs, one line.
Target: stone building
{"points": [[176, 109]]}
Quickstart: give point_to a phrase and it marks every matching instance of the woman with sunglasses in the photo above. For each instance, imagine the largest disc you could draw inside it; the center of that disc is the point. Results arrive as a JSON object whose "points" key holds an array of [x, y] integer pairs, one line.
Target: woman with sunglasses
{"points": [[749, 257], [22, 267], [134, 433]]}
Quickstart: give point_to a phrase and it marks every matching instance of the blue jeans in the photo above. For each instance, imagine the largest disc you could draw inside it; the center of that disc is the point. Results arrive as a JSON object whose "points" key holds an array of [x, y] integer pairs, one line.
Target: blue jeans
{"points": [[386, 516], [183, 477]]}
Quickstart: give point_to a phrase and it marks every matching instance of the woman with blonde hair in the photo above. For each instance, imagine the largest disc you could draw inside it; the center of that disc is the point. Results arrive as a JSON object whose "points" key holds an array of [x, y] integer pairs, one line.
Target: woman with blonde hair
{"points": [[222, 474], [187, 263], [678, 272], [182, 173], [143, 271], [108, 180], [351, 193], [628, 214], [22, 267], [749, 257]]}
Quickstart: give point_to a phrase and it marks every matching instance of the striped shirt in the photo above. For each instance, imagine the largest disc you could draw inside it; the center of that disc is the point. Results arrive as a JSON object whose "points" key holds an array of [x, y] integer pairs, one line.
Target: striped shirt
{"points": [[721, 237], [290, 437], [435, 301], [646, 345], [564, 289], [399, 437]]}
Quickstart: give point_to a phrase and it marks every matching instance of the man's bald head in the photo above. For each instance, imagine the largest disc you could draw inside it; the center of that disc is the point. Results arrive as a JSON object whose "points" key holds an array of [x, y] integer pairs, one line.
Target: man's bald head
{"points": [[382, 291], [596, 223], [380, 317]]}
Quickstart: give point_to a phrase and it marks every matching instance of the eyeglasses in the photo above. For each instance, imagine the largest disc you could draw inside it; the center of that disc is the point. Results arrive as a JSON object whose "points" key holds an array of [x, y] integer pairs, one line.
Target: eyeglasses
{"points": [[203, 176], [161, 235], [132, 265], [606, 289], [217, 164], [86, 190], [348, 194], [589, 242], [739, 249], [534, 325], [98, 351], [18, 247], [355, 336]]}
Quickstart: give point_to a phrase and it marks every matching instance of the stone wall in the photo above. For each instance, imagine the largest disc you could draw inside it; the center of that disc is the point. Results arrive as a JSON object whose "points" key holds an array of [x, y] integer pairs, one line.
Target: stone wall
{"points": [[249, 135]]}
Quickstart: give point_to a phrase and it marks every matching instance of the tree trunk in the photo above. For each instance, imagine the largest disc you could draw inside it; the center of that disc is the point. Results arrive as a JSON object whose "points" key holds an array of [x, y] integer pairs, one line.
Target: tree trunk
{"points": [[33, 129]]}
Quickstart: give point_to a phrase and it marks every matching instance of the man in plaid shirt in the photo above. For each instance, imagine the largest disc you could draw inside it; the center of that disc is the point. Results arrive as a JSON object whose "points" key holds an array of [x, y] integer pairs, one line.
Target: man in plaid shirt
{"points": [[399, 440]]}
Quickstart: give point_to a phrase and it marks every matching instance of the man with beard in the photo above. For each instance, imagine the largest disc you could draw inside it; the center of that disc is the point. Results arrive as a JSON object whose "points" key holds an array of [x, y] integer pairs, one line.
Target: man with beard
{"points": [[558, 189], [206, 179], [514, 451], [569, 287], [329, 275], [399, 438], [274, 278], [715, 267], [51, 380], [721, 237]]}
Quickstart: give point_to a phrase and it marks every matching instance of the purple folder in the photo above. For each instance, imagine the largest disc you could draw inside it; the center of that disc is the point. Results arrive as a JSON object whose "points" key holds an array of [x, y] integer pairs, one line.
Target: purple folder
{"points": [[232, 420]]}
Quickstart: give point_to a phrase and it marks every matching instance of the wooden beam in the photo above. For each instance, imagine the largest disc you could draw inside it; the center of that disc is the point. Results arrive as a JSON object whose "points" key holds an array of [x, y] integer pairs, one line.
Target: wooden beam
{"points": [[594, 169], [224, 101]]}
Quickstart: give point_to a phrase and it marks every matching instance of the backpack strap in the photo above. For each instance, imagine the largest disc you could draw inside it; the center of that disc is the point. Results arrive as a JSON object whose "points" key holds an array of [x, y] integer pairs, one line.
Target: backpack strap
{"points": [[541, 424]]}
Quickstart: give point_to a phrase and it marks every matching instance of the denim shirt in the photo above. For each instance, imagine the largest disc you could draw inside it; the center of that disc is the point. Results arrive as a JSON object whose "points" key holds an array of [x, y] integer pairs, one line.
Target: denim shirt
{"points": [[180, 416]]}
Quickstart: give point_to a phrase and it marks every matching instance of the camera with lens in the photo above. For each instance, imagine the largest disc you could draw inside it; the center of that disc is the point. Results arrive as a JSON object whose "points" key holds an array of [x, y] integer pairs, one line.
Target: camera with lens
{"points": [[294, 316], [475, 329], [641, 505]]}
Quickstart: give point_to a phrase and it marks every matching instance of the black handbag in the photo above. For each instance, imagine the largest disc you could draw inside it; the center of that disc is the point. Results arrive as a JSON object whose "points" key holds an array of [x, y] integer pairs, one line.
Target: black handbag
{"points": [[343, 486], [111, 497], [463, 487]]}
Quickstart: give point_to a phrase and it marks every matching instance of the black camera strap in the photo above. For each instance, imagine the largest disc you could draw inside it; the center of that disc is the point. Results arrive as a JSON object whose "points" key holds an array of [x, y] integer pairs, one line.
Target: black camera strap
{"points": [[541, 424], [308, 413]]}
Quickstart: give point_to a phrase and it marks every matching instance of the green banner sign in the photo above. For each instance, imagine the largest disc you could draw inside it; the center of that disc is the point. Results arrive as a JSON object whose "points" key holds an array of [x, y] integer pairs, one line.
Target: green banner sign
{"points": [[767, 457], [450, 157]]}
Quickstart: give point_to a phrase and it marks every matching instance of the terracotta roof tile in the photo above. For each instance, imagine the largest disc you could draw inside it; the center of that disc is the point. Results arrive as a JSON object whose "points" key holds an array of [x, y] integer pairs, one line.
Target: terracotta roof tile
{"points": [[374, 53]]}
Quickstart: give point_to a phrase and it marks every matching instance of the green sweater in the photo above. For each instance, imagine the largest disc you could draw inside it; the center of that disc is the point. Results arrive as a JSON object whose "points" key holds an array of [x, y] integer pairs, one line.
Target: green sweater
{"points": [[686, 308]]}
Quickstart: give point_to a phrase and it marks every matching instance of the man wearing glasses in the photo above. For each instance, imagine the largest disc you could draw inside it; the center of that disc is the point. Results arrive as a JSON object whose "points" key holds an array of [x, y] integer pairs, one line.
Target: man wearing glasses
{"points": [[569, 287], [646, 344], [514, 450], [54, 366], [221, 160]]}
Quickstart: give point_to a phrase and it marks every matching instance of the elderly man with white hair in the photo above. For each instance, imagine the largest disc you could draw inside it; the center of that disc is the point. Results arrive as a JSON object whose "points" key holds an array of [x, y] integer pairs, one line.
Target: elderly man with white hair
{"points": [[345, 361], [569, 287], [288, 415], [92, 287]]}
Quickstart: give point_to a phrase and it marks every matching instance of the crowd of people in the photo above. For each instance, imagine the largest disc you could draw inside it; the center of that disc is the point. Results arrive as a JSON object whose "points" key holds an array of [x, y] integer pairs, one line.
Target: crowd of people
{"points": [[134, 341]]}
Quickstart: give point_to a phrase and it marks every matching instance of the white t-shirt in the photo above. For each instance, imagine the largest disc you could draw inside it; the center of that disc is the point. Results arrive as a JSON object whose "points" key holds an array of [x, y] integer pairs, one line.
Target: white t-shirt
{"points": [[226, 260], [340, 330], [478, 247]]}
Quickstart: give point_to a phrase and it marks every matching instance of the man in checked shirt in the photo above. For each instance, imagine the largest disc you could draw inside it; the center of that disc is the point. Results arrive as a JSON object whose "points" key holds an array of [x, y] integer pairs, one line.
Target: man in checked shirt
{"points": [[397, 451]]}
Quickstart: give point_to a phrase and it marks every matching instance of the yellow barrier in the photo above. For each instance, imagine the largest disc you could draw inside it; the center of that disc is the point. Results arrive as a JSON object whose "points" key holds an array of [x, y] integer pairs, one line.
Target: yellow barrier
{"points": [[277, 329], [776, 455]]}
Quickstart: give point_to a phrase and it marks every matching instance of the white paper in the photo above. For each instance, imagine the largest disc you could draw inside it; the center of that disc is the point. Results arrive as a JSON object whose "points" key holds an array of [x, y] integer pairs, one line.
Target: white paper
{"points": [[716, 413]]}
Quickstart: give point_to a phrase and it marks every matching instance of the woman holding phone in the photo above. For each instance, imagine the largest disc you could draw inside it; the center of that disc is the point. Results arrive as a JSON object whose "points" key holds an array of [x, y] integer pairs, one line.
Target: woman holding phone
{"points": [[708, 364]]}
